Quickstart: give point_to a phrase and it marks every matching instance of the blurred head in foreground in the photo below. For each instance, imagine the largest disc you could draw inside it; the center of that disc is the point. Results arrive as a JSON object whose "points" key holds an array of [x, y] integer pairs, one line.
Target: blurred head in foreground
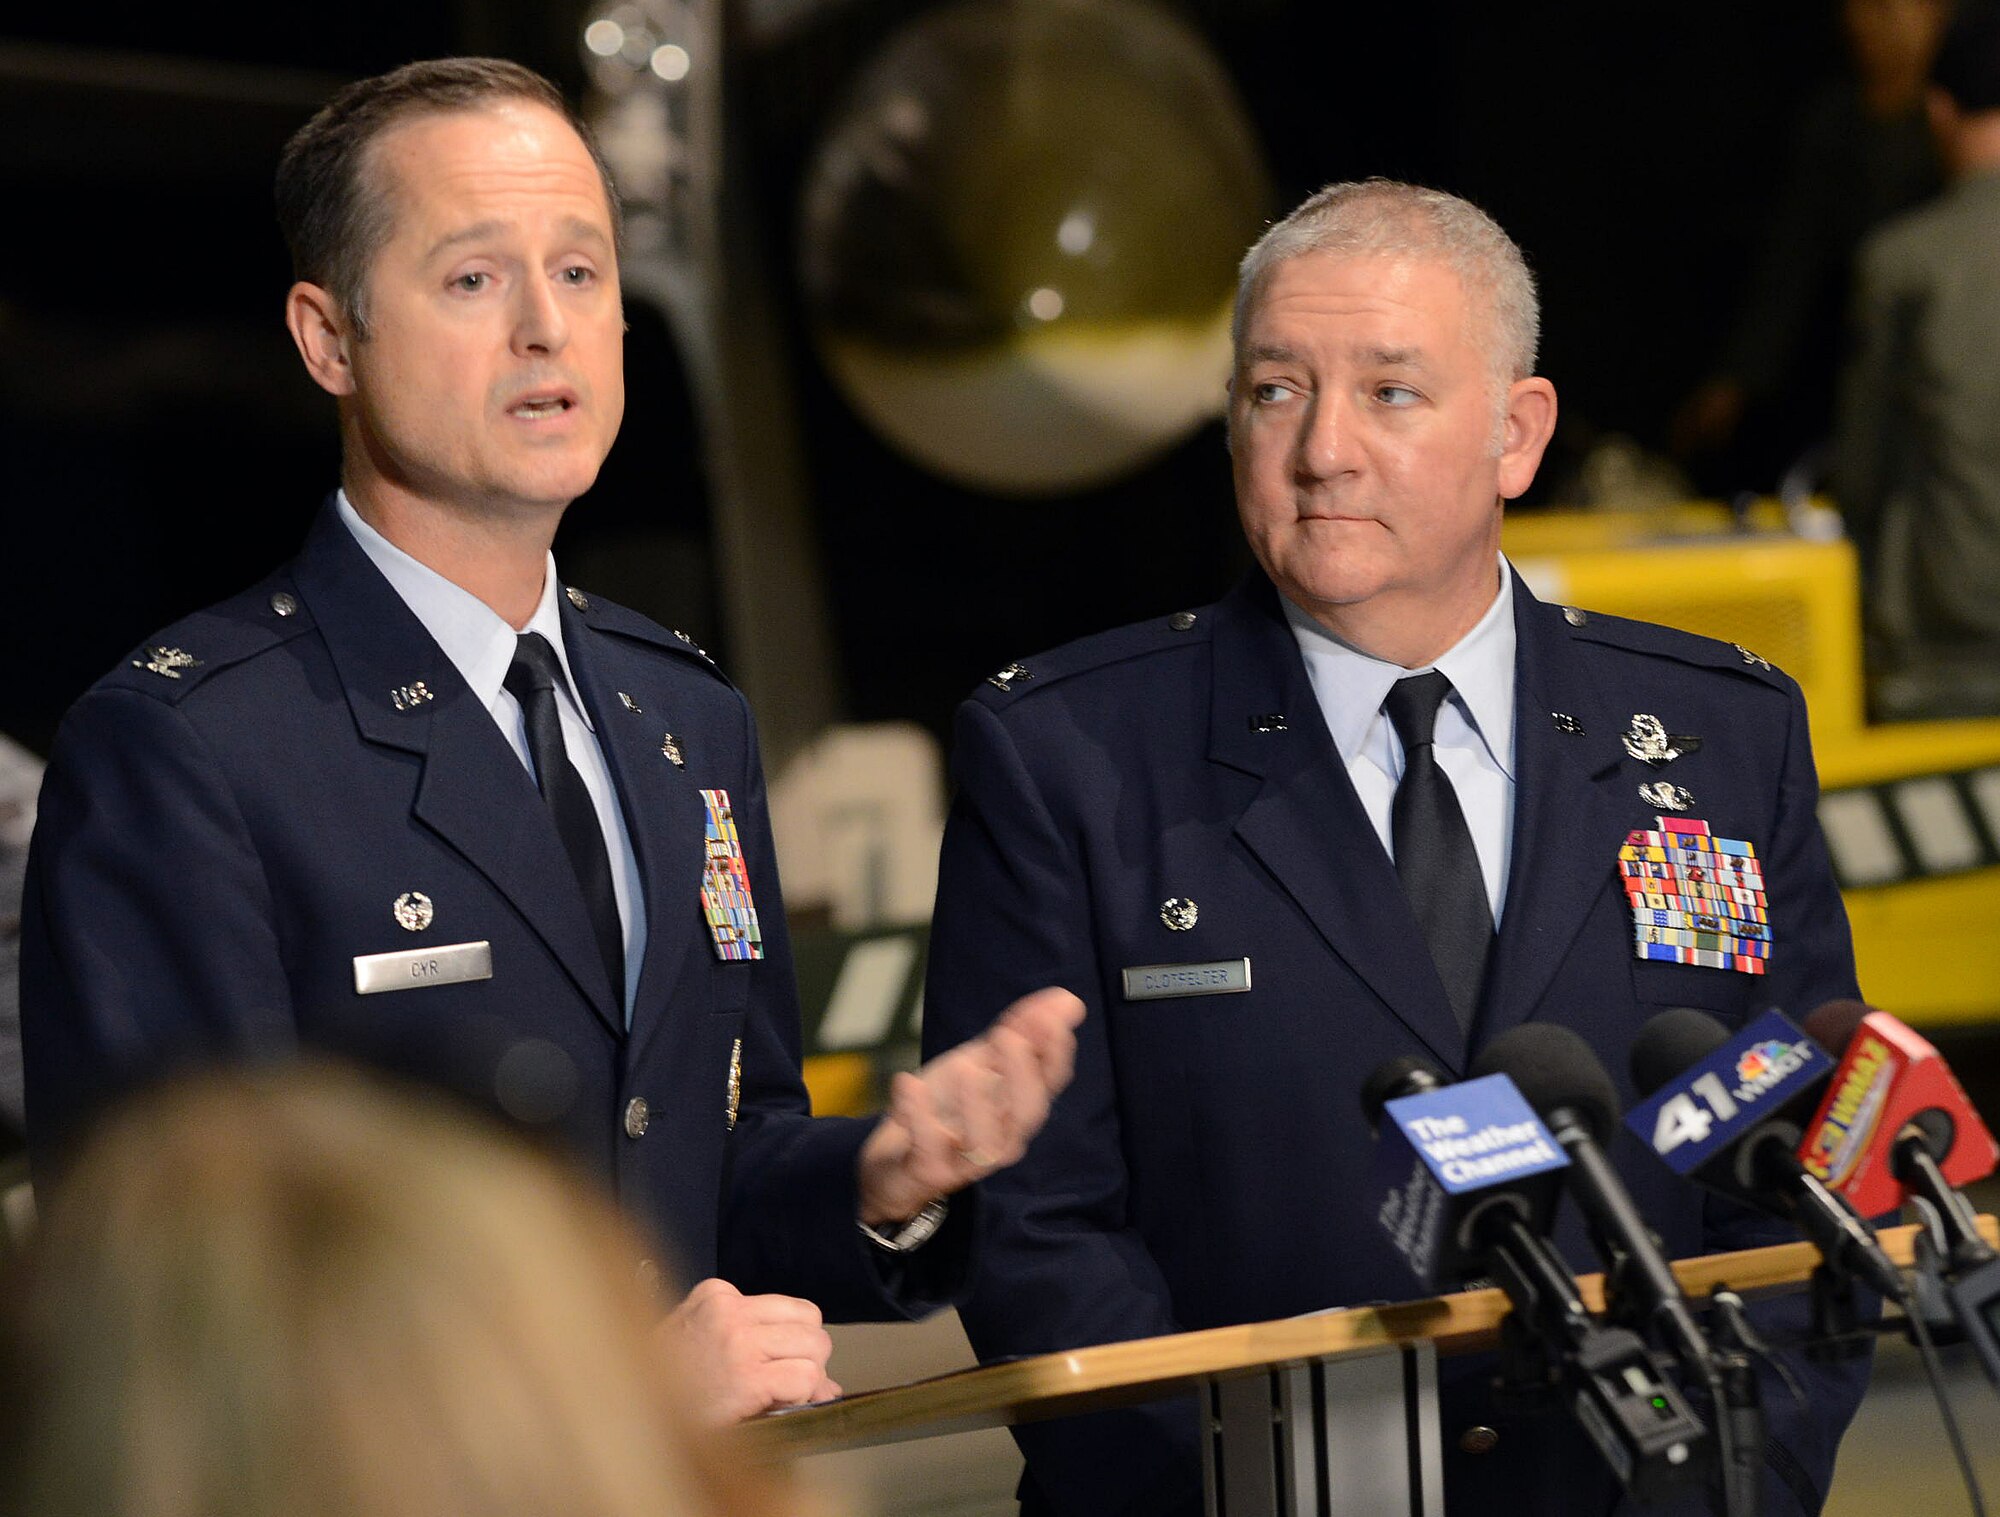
{"points": [[301, 1293]]}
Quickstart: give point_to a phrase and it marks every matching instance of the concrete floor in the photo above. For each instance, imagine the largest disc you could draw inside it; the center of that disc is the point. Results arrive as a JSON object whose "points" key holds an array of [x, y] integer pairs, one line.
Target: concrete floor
{"points": [[1894, 1463]]}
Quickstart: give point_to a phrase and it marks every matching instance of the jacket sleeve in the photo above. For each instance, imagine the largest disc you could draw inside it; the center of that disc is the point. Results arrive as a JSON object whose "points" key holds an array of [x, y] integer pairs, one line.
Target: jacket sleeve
{"points": [[148, 936], [790, 1199], [1060, 1266]]}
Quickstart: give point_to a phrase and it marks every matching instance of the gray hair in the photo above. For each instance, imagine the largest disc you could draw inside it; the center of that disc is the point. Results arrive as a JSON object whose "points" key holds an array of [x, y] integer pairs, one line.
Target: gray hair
{"points": [[1383, 216]]}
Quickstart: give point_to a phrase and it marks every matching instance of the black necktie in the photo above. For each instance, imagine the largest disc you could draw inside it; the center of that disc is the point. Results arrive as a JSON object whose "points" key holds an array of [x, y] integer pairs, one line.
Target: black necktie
{"points": [[1434, 853], [532, 681]]}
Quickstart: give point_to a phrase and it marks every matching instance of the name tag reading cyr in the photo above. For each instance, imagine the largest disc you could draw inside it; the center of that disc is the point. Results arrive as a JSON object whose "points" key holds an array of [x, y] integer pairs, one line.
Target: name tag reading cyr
{"points": [[1153, 982], [451, 964]]}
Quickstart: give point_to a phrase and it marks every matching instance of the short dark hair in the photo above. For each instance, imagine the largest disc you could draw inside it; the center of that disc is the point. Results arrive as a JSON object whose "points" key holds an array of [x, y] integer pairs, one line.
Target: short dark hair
{"points": [[333, 219], [1968, 59]]}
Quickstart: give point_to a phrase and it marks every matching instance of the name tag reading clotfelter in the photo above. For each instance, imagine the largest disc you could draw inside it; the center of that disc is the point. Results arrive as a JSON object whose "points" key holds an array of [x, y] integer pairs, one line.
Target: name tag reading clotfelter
{"points": [[1154, 982], [451, 964]]}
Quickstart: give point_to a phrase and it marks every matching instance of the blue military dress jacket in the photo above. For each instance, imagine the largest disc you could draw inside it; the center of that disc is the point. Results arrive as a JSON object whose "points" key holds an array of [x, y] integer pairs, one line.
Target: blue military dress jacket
{"points": [[1211, 1164], [231, 817]]}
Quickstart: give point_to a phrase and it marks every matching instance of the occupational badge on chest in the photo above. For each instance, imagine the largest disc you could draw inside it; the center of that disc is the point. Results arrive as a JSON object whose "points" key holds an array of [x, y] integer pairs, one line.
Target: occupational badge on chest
{"points": [[1696, 898], [726, 904]]}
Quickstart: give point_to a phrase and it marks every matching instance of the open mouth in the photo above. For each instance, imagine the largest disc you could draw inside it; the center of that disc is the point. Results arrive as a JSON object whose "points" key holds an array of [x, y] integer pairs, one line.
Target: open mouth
{"points": [[538, 407]]}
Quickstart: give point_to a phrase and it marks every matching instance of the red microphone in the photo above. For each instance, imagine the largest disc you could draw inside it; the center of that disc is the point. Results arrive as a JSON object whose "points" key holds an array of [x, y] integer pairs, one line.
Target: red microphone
{"points": [[1892, 1096]]}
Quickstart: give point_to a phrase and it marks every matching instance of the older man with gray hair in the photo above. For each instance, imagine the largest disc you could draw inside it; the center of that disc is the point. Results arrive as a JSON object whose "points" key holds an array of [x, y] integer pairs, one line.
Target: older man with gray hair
{"points": [[1373, 802]]}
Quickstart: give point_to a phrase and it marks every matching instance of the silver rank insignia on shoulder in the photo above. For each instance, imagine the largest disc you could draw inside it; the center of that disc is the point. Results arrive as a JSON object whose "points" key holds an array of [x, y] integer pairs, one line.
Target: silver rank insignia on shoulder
{"points": [[414, 911], [1566, 724], [1666, 797], [577, 598], [629, 703], [735, 1081], [284, 603], [1004, 680], [692, 643], [1650, 742], [1179, 913], [1180, 621], [167, 661], [672, 749], [409, 697], [1751, 658]]}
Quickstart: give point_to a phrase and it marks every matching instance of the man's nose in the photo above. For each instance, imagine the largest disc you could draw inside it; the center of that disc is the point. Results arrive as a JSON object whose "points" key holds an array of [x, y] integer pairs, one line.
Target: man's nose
{"points": [[1326, 441], [541, 325]]}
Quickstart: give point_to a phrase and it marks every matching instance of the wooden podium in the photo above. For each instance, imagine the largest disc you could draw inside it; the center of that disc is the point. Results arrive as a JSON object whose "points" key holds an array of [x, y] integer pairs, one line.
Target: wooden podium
{"points": [[1332, 1412]]}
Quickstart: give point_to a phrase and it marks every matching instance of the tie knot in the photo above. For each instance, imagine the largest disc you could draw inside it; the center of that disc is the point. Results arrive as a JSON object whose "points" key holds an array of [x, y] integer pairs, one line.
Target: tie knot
{"points": [[534, 667], [1413, 707]]}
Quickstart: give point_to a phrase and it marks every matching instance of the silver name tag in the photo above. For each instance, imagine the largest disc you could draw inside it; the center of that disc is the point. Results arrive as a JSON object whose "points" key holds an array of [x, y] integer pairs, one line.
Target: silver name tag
{"points": [[452, 964], [1152, 982]]}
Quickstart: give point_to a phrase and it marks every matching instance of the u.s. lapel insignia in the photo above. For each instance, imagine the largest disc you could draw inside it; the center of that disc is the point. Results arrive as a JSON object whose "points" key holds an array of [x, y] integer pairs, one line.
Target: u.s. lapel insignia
{"points": [[414, 911], [1179, 913], [726, 904], [672, 749], [1667, 797], [409, 697], [167, 661], [1566, 724], [1695, 898], [735, 1081], [1004, 679], [630, 704]]}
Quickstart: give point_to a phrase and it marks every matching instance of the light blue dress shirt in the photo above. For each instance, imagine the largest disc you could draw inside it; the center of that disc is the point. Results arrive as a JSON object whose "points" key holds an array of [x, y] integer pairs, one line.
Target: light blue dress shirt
{"points": [[480, 645], [1475, 727]]}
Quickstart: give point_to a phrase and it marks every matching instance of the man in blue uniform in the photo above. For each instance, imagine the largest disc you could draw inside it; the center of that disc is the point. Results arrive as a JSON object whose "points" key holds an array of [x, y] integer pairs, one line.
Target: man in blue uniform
{"points": [[413, 799], [1369, 805]]}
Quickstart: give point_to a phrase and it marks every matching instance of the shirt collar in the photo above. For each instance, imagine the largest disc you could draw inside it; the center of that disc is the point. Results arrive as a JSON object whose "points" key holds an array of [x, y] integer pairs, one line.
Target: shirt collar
{"points": [[474, 636], [1351, 685]]}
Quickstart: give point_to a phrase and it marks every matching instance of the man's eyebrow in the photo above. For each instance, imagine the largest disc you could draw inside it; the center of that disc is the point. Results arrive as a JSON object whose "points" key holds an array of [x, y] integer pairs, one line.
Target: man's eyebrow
{"points": [[1270, 352], [573, 227], [1394, 358]]}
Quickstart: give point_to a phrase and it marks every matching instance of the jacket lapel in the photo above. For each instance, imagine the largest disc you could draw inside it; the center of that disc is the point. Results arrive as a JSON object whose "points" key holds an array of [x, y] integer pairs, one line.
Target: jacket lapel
{"points": [[663, 810], [1567, 823], [473, 792], [1306, 824]]}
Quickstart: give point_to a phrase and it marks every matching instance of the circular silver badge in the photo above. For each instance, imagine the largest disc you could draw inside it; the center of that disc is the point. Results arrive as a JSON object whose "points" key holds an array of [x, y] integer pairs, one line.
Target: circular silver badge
{"points": [[413, 911], [1179, 913]]}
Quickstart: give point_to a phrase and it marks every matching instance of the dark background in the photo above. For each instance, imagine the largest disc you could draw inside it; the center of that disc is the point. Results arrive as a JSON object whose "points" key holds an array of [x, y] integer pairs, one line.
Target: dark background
{"points": [[160, 447]]}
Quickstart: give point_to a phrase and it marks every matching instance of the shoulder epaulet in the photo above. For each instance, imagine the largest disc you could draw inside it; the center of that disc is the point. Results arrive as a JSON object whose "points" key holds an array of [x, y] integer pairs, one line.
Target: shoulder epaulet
{"points": [[1158, 634], [1671, 642], [178, 659], [602, 615]]}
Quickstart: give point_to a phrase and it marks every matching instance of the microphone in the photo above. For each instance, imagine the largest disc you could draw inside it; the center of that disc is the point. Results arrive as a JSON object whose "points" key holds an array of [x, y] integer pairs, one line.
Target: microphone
{"points": [[1470, 1178], [1726, 1112], [1569, 1089], [1896, 1126], [1895, 1122]]}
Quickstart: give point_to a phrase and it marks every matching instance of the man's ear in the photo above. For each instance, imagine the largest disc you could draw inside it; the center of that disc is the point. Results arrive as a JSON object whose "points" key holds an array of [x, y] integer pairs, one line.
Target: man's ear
{"points": [[1530, 423], [322, 336]]}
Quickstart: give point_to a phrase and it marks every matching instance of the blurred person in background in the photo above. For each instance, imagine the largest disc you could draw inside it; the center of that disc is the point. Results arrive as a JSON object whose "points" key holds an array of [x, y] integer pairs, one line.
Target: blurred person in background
{"points": [[1861, 153], [1917, 458], [20, 782], [414, 799], [303, 1293]]}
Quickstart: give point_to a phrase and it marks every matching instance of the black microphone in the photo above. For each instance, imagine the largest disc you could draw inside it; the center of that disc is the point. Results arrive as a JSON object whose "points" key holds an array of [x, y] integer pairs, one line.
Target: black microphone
{"points": [[1469, 1175], [1571, 1091], [1736, 1105]]}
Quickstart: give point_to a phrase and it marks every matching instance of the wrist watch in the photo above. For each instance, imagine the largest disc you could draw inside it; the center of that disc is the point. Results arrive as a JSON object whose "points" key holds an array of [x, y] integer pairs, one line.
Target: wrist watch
{"points": [[901, 1237]]}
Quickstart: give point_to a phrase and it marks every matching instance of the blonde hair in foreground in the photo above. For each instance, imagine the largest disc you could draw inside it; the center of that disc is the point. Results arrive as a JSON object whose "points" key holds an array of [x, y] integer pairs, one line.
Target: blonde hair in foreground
{"points": [[301, 1294]]}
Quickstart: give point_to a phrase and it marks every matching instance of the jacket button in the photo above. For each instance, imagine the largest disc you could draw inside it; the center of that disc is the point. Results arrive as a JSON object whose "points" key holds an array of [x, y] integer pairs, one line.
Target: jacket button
{"points": [[1478, 1440], [638, 1117]]}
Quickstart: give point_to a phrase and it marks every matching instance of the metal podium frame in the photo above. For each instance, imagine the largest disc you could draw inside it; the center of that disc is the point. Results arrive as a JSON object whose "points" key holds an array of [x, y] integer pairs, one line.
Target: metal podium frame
{"points": [[1357, 1433]]}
